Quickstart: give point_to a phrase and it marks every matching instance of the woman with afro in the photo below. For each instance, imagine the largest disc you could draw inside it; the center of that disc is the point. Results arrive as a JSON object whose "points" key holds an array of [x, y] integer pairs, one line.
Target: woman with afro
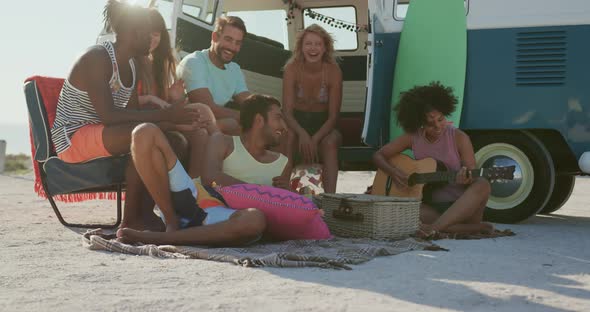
{"points": [[455, 207]]}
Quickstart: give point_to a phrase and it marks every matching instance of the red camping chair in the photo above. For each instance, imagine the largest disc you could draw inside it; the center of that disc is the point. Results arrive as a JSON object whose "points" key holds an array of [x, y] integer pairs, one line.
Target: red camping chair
{"points": [[62, 181]]}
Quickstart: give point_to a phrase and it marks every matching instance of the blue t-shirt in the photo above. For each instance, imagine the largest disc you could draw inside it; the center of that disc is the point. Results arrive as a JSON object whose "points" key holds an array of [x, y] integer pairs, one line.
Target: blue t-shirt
{"points": [[197, 71]]}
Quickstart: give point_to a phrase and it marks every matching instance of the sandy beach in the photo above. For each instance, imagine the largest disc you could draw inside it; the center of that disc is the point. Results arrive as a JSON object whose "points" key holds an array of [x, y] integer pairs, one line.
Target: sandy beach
{"points": [[44, 267]]}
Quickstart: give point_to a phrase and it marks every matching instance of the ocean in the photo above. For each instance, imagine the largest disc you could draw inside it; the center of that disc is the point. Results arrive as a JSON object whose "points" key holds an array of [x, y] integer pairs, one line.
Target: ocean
{"points": [[16, 137]]}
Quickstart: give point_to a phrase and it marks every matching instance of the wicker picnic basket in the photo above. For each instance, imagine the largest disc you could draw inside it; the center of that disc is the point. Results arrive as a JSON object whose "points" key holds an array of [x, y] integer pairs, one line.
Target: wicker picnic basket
{"points": [[370, 216]]}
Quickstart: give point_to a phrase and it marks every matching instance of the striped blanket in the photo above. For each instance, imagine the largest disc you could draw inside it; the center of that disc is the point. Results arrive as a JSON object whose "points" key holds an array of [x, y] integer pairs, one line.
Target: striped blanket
{"points": [[336, 253]]}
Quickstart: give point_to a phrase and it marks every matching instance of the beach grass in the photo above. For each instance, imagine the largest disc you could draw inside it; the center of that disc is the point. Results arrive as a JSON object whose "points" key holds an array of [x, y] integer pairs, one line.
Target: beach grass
{"points": [[17, 164]]}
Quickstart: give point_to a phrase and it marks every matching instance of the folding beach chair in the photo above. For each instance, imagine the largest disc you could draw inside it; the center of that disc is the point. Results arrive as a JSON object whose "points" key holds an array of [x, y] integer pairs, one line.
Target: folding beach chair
{"points": [[55, 178]]}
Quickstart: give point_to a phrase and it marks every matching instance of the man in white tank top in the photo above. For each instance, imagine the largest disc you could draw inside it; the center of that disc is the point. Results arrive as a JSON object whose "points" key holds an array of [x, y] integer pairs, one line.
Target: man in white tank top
{"points": [[229, 160]]}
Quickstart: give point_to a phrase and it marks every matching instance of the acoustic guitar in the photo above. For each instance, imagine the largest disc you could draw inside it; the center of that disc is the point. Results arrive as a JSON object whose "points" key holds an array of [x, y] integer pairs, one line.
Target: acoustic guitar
{"points": [[428, 171]]}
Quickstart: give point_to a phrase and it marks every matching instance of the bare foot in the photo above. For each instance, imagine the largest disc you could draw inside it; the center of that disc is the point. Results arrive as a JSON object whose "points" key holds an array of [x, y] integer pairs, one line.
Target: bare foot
{"points": [[132, 223], [425, 232], [128, 236], [148, 221], [487, 228]]}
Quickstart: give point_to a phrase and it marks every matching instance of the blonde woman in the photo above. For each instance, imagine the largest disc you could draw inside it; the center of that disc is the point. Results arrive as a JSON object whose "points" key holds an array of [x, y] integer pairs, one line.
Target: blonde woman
{"points": [[312, 97]]}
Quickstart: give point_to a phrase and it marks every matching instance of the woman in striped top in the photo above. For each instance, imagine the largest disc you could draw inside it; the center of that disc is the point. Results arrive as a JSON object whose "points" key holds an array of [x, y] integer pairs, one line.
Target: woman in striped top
{"points": [[97, 107]]}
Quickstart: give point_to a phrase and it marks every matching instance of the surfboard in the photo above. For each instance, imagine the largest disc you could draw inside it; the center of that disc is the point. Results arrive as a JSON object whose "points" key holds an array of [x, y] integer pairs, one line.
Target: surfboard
{"points": [[432, 47]]}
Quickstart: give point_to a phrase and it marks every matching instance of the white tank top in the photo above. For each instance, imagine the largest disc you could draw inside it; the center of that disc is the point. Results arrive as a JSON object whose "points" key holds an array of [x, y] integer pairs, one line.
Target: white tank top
{"points": [[241, 165]]}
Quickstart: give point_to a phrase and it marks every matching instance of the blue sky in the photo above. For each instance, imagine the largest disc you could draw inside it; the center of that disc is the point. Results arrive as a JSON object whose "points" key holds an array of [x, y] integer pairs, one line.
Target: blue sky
{"points": [[41, 37], [45, 37]]}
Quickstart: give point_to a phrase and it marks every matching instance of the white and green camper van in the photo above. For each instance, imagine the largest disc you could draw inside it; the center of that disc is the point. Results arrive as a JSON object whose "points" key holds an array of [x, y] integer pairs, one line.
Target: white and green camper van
{"points": [[526, 100]]}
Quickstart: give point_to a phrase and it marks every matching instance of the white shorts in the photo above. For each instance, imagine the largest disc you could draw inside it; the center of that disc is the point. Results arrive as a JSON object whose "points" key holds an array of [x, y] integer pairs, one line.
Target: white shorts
{"points": [[180, 180], [217, 214]]}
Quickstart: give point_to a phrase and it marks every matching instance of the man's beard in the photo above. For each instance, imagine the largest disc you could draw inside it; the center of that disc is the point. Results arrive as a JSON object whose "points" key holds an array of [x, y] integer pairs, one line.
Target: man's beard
{"points": [[271, 141], [221, 58]]}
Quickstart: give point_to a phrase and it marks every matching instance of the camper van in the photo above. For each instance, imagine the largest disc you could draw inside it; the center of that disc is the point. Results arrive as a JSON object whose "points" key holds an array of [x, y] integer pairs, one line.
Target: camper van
{"points": [[527, 91]]}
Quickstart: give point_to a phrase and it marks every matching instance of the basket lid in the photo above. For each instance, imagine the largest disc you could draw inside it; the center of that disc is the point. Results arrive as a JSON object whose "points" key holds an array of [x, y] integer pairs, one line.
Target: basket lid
{"points": [[371, 198]]}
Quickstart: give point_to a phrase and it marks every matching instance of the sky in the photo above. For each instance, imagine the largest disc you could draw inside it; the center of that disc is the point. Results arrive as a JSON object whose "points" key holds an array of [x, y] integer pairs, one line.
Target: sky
{"points": [[39, 37], [45, 37], [42, 37]]}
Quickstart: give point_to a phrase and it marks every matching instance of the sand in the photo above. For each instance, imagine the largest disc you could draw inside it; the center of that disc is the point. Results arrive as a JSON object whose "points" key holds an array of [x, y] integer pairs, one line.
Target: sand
{"points": [[43, 267]]}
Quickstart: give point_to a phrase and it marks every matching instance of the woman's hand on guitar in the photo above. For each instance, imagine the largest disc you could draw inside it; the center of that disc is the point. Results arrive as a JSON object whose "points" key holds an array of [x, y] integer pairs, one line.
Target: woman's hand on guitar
{"points": [[464, 176], [399, 178]]}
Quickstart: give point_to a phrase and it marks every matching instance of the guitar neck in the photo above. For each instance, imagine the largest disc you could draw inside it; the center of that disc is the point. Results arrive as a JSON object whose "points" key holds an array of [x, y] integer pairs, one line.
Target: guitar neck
{"points": [[444, 176]]}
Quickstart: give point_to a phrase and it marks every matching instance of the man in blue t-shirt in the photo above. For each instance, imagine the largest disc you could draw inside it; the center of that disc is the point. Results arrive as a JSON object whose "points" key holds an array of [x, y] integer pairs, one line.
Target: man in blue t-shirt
{"points": [[210, 76]]}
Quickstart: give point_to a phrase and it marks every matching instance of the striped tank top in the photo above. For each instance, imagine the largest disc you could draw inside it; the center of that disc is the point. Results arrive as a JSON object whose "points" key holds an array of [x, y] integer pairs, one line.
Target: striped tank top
{"points": [[241, 165], [74, 109]]}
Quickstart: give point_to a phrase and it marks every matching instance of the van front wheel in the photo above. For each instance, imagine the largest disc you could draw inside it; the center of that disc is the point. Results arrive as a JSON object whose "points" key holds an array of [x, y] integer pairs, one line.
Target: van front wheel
{"points": [[512, 201]]}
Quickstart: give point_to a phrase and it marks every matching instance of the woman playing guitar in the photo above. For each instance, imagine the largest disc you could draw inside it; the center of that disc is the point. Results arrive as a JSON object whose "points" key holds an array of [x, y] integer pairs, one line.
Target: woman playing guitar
{"points": [[456, 207]]}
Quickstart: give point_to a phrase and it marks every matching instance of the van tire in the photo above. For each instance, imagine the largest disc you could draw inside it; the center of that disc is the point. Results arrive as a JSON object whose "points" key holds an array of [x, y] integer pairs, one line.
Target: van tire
{"points": [[513, 201], [564, 185]]}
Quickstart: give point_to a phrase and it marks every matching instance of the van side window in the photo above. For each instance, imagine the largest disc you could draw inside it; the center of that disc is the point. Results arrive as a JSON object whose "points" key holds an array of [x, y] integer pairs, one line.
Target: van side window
{"points": [[338, 21], [276, 35], [401, 8], [202, 10]]}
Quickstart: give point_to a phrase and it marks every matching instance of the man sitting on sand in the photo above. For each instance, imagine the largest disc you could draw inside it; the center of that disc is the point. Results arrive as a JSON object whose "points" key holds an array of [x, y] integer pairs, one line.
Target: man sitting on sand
{"points": [[230, 160]]}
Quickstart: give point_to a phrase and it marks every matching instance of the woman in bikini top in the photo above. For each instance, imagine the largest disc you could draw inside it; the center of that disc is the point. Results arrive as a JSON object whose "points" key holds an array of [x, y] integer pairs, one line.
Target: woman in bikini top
{"points": [[312, 97]]}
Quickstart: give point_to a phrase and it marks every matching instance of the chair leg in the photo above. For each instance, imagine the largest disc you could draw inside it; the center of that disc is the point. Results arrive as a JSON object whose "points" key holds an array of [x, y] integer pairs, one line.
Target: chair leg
{"points": [[86, 225], [119, 208]]}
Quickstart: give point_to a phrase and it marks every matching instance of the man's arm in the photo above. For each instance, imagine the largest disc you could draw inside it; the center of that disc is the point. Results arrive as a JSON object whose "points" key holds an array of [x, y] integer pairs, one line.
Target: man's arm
{"points": [[93, 74], [203, 95], [241, 92], [193, 70], [283, 181], [241, 97], [218, 147]]}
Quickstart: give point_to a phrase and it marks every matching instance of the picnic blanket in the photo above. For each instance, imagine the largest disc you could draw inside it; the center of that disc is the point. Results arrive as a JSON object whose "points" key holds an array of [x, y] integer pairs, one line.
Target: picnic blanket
{"points": [[496, 233], [335, 253]]}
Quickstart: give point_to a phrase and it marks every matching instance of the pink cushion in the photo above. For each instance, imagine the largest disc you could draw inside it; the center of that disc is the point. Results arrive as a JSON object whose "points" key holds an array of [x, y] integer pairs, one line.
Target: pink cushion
{"points": [[288, 215]]}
